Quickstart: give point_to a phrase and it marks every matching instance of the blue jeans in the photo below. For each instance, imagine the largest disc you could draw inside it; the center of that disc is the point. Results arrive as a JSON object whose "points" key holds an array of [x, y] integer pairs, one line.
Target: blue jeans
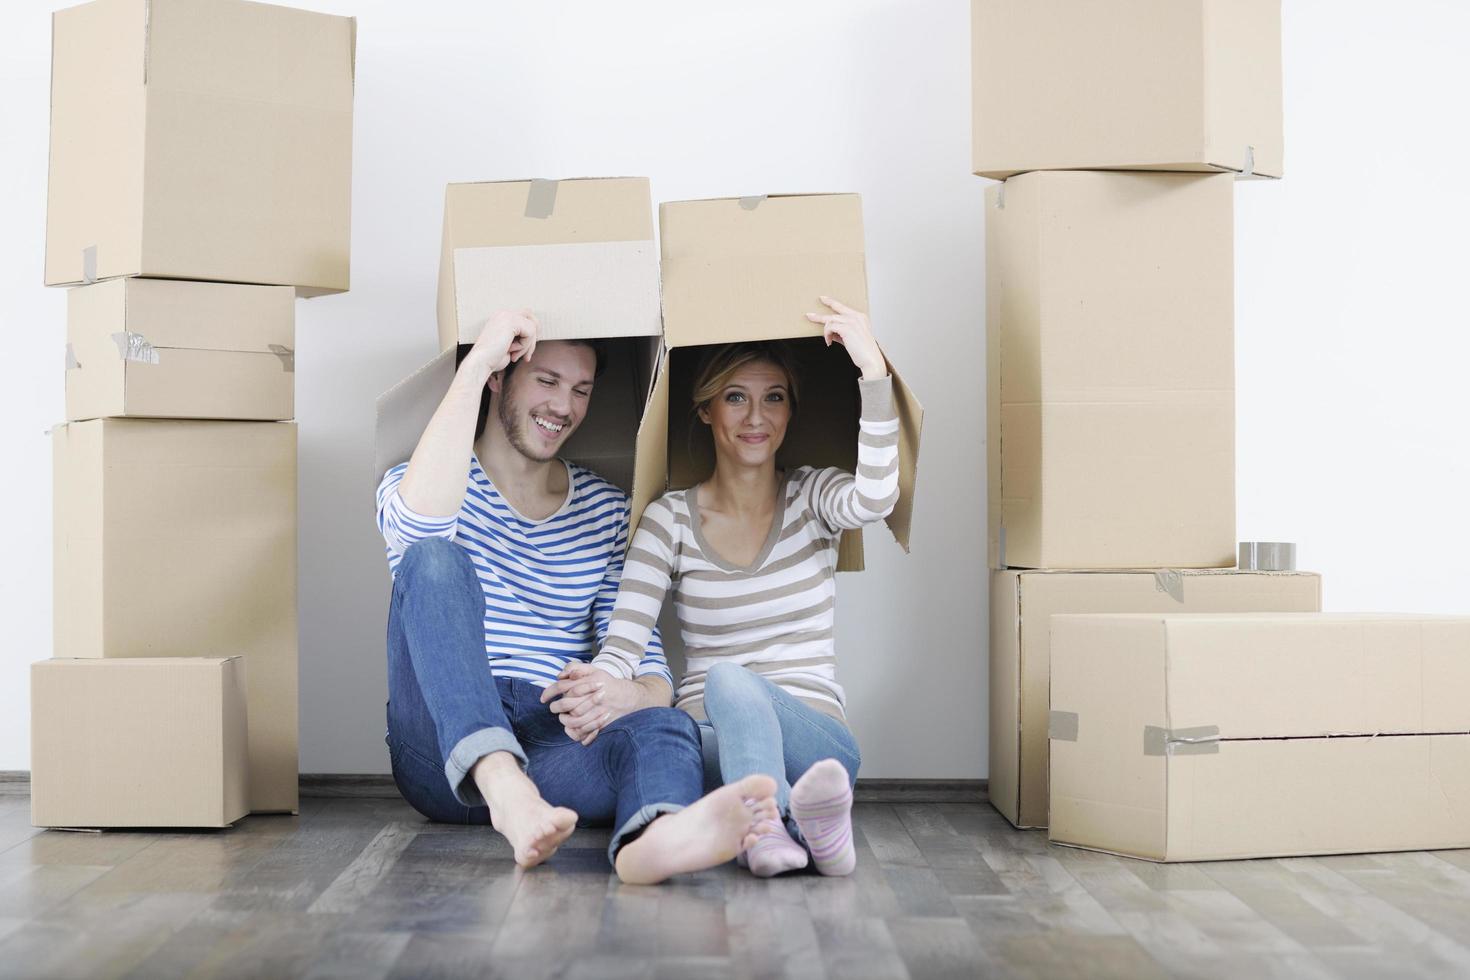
{"points": [[756, 727], [446, 711]]}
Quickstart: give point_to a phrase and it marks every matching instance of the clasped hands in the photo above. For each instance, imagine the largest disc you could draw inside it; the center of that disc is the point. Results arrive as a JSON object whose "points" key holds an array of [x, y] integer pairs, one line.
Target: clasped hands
{"points": [[586, 699]]}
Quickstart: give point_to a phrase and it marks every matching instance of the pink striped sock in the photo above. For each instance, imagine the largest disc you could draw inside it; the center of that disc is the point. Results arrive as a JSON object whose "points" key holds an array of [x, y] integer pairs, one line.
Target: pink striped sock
{"points": [[774, 852], [821, 802]]}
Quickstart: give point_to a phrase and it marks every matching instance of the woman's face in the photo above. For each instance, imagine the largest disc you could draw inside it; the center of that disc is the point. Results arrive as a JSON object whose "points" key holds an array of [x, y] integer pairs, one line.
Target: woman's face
{"points": [[748, 417]]}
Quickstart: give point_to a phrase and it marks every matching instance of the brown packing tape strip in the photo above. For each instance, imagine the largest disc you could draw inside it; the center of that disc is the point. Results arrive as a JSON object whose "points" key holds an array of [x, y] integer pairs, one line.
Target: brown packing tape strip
{"points": [[1202, 740], [287, 356], [541, 198], [1062, 726], [1171, 581]]}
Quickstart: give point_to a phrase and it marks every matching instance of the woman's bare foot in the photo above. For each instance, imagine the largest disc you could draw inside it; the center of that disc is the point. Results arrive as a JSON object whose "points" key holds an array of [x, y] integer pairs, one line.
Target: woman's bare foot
{"points": [[534, 827], [710, 831]]}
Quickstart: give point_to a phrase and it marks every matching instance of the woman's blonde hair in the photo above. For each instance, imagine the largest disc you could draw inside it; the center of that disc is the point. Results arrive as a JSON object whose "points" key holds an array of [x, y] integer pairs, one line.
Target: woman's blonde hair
{"points": [[720, 364]]}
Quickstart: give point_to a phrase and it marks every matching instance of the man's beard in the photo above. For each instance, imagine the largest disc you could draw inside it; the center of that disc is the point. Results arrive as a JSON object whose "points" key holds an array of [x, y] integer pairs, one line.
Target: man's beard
{"points": [[511, 419]]}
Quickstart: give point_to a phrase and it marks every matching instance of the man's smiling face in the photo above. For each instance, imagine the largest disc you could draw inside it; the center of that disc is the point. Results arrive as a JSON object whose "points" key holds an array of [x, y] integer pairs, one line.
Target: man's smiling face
{"points": [[546, 397]]}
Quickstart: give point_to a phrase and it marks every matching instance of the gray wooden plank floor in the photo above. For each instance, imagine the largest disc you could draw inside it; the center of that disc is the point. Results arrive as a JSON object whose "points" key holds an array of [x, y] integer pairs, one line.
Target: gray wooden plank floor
{"points": [[365, 888]]}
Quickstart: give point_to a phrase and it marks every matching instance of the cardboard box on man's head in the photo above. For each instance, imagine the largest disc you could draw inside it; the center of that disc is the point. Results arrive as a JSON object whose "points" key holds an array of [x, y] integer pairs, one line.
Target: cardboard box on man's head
{"points": [[1188, 85], [200, 139], [579, 255], [604, 442], [748, 269]]}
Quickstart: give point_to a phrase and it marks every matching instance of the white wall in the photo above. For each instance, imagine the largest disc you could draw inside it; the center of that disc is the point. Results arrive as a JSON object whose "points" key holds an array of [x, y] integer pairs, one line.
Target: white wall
{"points": [[1351, 322]]}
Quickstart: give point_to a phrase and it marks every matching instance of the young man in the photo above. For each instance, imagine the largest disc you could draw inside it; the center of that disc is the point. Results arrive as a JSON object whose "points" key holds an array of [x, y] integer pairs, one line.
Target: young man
{"points": [[501, 551]]}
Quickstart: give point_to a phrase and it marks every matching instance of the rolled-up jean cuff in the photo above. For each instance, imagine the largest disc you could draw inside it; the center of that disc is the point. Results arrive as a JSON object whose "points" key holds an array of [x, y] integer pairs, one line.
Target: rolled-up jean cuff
{"points": [[636, 824], [470, 750]]}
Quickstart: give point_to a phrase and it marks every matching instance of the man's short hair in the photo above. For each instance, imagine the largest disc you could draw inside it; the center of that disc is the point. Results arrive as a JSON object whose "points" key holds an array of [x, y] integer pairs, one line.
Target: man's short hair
{"points": [[599, 351]]}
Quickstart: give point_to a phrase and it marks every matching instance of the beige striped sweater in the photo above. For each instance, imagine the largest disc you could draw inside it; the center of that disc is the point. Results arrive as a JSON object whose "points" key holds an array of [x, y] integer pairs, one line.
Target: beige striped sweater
{"points": [[776, 615]]}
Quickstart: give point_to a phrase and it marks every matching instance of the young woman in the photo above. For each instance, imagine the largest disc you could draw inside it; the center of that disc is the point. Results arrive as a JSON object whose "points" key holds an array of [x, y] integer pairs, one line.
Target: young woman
{"points": [[750, 555]]}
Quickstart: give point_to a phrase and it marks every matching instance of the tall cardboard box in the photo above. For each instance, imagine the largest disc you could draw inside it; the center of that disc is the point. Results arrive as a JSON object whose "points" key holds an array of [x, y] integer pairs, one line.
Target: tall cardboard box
{"points": [[1205, 737], [1126, 85], [200, 139], [166, 348], [578, 253], [1111, 371], [155, 742], [178, 538], [1021, 606], [751, 268]]}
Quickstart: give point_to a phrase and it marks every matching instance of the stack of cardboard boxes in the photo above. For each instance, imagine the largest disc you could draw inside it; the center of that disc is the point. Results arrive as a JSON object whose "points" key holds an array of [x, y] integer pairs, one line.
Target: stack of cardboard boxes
{"points": [[579, 253], [200, 179], [1119, 131]]}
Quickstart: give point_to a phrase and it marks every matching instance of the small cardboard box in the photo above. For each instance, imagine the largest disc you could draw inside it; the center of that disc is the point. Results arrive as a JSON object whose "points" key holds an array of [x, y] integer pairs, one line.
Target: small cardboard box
{"points": [[1126, 85], [1206, 737], [138, 743], [1111, 371], [751, 268], [166, 348], [578, 253], [200, 139], [1021, 604], [178, 538]]}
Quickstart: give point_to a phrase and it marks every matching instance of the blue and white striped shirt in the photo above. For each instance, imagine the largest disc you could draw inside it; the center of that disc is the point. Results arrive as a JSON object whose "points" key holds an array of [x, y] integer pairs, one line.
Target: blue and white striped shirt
{"points": [[549, 585]]}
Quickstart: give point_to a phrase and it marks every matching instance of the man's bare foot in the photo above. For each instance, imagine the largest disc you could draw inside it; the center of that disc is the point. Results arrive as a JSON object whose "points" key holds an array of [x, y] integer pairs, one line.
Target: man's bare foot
{"points": [[534, 827], [709, 831]]}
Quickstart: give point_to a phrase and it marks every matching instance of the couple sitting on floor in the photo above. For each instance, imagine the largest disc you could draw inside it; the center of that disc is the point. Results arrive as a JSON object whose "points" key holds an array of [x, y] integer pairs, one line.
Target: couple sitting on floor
{"points": [[500, 551]]}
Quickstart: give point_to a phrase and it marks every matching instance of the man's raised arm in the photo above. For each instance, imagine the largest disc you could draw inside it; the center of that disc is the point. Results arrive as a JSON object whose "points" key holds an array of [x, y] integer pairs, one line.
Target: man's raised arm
{"points": [[434, 483]]}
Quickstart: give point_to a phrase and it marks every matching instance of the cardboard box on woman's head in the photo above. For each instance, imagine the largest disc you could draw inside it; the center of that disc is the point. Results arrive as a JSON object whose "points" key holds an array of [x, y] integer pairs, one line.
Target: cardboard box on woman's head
{"points": [[751, 268]]}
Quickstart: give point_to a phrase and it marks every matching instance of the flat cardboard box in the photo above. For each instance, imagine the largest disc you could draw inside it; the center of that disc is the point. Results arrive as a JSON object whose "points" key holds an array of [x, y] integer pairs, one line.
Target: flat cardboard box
{"points": [[166, 348], [742, 269], [1021, 605], [200, 139], [138, 743], [578, 253], [1189, 85], [178, 538], [1111, 371], [1208, 737]]}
